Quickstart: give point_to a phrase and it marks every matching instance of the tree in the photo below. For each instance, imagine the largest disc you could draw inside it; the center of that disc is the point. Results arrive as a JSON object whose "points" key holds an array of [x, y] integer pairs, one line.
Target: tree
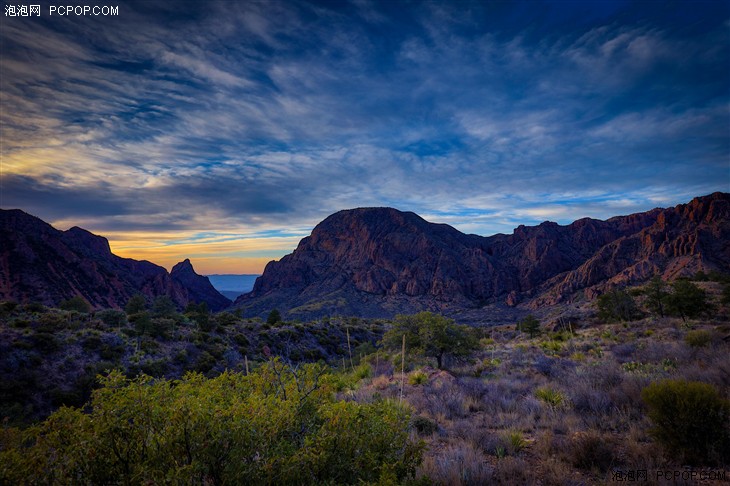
{"points": [[136, 304], [656, 295], [431, 335], [163, 306], [530, 325], [274, 317], [77, 304], [617, 305], [686, 300]]}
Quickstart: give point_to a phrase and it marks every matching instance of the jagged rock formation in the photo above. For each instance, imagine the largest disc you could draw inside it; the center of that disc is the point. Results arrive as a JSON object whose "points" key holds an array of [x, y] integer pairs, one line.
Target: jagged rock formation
{"points": [[42, 264], [199, 287], [380, 261]]}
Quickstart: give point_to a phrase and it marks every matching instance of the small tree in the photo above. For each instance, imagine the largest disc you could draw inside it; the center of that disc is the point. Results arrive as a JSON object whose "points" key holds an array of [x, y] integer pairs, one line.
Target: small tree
{"points": [[274, 317], [656, 295], [163, 306], [686, 300], [76, 303], [431, 335], [530, 325], [136, 304], [616, 305]]}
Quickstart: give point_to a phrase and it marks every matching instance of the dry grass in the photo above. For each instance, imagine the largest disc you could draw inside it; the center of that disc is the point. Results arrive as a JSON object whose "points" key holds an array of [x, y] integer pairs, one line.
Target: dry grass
{"points": [[567, 413]]}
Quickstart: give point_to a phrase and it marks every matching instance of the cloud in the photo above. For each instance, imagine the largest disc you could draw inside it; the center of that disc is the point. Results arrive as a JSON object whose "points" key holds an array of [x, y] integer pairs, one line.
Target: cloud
{"points": [[263, 116]]}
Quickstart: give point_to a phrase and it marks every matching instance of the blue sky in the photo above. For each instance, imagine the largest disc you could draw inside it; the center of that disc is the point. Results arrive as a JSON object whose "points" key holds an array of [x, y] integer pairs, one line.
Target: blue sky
{"points": [[224, 131]]}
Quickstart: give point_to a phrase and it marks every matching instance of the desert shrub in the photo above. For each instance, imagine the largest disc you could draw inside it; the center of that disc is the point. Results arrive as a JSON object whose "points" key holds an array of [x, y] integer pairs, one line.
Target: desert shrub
{"points": [[617, 305], [417, 378], [424, 425], [92, 342], [698, 339], [458, 464], [687, 300], [225, 319], [113, 318], [691, 420], [513, 441], [205, 362], [278, 425], [550, 396], [274, 317], [34, 307], [76, 303], [530, 325], [46, 342], [363, 371], [591, 451]]}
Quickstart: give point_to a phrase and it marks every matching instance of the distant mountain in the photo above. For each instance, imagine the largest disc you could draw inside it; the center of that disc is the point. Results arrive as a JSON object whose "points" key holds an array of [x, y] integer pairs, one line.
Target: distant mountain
{"points": [[199, 287], [40, 263], [232, 285], [381, 261]]}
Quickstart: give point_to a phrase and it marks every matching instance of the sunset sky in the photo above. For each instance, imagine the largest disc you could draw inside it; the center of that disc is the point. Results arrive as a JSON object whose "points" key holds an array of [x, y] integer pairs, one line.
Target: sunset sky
{"points": [[224, 131]]}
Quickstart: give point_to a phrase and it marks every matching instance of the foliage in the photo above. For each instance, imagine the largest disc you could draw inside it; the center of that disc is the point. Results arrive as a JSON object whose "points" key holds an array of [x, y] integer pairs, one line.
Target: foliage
{"points": [[113, 318], [278, 425], [550, 396], [698, 339], [656, 295], [530, 325], [136, 304], [418, 378], [76, 303], [431, 335], [274, 317], [691, 419], [616, 305], [687, 300], [163, 306]]}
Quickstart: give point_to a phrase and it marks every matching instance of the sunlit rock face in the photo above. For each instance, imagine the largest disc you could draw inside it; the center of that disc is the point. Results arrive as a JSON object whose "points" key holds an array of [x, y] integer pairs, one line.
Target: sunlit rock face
{"points": [[381, 261]]}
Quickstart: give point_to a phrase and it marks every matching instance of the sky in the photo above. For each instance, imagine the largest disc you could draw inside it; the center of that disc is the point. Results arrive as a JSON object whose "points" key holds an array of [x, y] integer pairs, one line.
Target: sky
{"points": [[224, 131]]}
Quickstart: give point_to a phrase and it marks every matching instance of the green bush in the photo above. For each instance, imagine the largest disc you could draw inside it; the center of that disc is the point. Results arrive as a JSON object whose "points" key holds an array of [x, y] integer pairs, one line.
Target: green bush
{"points": [[551, 397], [698, 339], [691, 420], [418, 378], [277, 426], [77, 304]]}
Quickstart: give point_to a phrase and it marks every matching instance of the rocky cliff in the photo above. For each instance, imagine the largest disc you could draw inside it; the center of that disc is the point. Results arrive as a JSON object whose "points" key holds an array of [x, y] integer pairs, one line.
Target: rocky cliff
{"points": [[380, 261], [40, 263], [199, 287]]}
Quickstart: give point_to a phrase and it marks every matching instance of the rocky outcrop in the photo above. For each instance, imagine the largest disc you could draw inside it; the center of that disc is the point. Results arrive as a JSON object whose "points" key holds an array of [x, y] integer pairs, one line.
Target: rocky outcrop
{"points": [[42, 264], [199, 287], [381, 261]]}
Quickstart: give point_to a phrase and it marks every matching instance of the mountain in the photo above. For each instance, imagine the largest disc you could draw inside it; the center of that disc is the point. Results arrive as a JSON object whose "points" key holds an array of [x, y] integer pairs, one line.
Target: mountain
{"points": [[231, 285], [40, 263], [381, 261], [199, 287]]}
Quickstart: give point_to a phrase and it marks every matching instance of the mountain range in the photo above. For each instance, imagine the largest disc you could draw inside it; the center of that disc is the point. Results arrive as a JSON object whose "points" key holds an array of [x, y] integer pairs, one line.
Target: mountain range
{"points": [[381, 261], [377, 262], [42, 264]]}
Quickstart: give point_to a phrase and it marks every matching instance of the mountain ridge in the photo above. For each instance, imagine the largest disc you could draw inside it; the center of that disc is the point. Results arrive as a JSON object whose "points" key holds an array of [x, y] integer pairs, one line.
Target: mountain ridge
{"points": [[41, 263], [379, 261]]}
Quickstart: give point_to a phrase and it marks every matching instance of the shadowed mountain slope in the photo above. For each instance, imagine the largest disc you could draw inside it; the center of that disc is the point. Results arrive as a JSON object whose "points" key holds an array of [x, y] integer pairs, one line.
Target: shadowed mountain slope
{"points": [[40, 263]]}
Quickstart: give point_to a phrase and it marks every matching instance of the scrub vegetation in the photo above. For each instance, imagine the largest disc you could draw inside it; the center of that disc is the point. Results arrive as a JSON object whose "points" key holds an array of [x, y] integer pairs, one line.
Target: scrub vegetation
{"points": [[153, 395]]}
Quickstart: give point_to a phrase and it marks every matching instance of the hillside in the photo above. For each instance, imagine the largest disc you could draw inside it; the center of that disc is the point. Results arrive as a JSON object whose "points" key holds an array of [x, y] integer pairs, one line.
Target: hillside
{"points": [[381, 261], [39, 263]]}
